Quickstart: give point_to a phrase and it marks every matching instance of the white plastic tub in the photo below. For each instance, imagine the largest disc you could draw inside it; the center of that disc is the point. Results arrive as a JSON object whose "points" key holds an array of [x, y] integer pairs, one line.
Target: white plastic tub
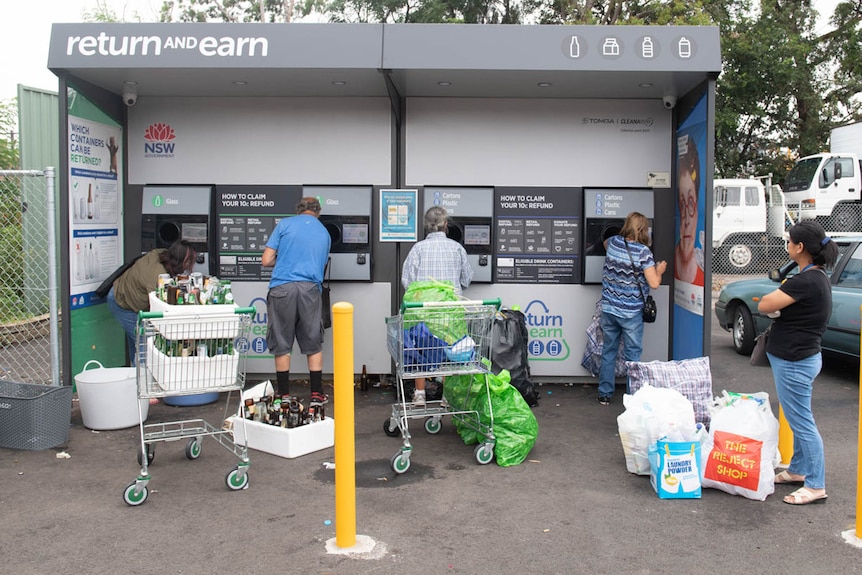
{"points": [[108, 397]]}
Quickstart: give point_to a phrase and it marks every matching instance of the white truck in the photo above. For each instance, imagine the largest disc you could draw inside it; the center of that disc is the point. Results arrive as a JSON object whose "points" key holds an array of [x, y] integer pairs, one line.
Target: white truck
{"points": [[828, 186], [745, 222]]}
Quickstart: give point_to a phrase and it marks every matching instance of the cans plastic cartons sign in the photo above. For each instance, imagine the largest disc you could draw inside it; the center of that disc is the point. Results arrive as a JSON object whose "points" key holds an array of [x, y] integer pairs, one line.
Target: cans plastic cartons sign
{"points": [[282, 441]]}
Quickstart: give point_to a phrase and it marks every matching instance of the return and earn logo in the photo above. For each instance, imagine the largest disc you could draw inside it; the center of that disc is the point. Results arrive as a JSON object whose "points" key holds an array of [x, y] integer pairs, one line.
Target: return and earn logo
{"points": [[545, 332]]}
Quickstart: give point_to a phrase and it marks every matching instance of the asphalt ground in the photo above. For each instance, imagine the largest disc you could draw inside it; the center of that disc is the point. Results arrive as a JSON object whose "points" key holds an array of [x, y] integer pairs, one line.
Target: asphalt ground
{"points": [[570, 508]]}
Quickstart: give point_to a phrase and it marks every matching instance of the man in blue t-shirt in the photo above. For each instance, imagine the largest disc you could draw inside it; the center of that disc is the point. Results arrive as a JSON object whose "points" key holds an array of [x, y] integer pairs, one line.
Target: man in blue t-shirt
{"points": [[297, 251]]}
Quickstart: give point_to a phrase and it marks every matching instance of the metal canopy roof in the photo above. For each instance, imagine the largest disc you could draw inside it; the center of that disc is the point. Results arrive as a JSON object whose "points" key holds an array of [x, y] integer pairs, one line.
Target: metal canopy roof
{"points": [[343, 60]]}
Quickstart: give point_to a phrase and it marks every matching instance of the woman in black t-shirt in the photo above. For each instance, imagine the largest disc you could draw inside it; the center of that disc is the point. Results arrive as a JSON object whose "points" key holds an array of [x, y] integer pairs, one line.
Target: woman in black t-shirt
{"points": [[800, 308]]}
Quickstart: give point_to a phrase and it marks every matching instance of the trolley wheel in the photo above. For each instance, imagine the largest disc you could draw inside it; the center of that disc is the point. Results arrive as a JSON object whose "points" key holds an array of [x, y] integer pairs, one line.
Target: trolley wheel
{"points": [[433, 425], [400, 462], [387, 429], [193, 448], [235, 481], [151, 454], [484, 453], [134, 497]]}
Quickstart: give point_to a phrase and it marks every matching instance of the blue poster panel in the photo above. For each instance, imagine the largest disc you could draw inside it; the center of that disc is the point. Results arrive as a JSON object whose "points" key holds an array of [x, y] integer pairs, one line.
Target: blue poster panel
{"points": [[688, 258]]}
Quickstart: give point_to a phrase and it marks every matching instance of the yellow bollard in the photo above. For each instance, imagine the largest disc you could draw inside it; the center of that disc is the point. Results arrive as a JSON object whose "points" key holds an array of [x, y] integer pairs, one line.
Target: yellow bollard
{"points": [[345, 447], [785, 438]]}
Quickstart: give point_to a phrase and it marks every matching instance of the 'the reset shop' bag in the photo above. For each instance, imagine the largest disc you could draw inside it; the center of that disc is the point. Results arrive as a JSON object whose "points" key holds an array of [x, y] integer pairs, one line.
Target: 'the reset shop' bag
{"points": [[741, 451]]}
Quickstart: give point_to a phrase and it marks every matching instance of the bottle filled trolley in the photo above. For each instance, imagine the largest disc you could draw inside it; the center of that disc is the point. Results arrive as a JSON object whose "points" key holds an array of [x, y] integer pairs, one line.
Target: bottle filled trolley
{"points": [[439, 339], [196, 350]]}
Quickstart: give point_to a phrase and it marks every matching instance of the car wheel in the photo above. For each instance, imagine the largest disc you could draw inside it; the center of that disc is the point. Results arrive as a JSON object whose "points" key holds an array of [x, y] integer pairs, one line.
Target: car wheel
{"points": [[742, 330], [740, 257]]}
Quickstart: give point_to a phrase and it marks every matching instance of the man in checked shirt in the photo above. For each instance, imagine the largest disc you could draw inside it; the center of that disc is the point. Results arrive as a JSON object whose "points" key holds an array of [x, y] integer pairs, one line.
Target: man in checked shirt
{"points": [[436, 258]]}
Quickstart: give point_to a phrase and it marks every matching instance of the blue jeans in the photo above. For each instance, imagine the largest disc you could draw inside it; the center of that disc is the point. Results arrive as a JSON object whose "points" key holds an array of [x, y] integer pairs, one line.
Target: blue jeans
{"points": [[128, 320], [613, 327], [794, 382]]}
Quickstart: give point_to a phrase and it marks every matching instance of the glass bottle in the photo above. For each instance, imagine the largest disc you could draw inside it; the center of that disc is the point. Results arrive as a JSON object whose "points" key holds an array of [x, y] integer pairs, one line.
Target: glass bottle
{"points": [[228, 294], [90, 203]]}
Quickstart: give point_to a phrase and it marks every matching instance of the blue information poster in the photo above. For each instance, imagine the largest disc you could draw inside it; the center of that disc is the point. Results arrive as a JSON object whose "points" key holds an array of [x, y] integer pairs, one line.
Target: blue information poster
{"points": [[688, 291], [398, 215]]}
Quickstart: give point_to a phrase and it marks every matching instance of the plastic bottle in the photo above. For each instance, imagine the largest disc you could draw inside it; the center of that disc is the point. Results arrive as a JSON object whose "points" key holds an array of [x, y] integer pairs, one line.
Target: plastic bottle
{"points": [[228, 295]]}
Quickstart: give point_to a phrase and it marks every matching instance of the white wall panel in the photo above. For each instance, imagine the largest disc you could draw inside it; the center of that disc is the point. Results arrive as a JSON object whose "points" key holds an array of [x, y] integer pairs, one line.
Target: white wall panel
{"points": [[553, 142], [262, 141]]}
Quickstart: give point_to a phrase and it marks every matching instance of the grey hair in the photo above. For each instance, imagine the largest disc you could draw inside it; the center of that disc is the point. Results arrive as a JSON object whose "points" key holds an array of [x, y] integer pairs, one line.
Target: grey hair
{"points": [[435, 219], [308, 204]]}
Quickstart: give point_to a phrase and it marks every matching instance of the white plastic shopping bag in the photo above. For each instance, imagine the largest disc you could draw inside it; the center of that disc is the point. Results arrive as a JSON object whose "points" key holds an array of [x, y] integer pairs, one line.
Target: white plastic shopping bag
{"points": [[742, 448], [653, 413]]}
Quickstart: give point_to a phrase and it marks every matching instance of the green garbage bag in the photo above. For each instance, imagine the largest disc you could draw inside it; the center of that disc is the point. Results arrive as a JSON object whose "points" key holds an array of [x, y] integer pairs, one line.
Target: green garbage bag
{"points": [[447, 323], [515, 426]]}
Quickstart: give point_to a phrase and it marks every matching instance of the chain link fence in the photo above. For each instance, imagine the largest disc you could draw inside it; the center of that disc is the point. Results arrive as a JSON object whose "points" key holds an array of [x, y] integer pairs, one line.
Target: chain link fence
{"points": [[748, 235], [29, 306]]}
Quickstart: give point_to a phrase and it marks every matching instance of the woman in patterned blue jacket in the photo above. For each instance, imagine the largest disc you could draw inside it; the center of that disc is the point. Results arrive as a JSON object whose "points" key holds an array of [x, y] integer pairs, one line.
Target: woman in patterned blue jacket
{"points": [[629, 272]]}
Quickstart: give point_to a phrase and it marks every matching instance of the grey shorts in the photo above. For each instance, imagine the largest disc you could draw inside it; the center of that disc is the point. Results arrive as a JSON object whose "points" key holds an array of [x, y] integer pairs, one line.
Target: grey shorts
{"points": [[293, 314]]}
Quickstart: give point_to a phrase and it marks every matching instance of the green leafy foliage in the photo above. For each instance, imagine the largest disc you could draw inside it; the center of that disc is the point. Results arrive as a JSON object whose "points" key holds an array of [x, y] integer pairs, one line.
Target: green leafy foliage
{"points": [[783, 86], [8, 135]]}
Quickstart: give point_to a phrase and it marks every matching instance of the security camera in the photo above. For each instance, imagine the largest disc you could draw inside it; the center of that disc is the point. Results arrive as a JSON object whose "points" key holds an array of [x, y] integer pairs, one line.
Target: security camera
{"points": [[130, 97], [669, 102]]}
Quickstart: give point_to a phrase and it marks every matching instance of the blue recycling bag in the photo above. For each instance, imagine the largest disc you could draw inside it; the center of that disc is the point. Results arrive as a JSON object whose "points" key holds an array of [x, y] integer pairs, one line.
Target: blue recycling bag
{"points": [[423, 350]]}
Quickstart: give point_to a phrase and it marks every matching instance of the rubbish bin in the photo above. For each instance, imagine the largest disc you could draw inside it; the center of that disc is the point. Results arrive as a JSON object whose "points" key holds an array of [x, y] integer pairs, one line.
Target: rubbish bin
{"points": [[108, 397]]}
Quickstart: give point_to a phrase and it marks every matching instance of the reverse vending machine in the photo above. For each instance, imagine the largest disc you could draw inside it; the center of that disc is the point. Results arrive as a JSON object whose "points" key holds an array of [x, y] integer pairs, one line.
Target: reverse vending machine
{"points": [[470, 213], [172, 213], [605, 212], [345, 212]]}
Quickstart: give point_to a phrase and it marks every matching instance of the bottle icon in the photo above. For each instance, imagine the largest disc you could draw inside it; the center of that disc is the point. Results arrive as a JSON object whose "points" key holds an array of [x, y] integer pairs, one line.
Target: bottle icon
{"points": [[647, 47], [90, 202], [78, 262], [575, 48]]}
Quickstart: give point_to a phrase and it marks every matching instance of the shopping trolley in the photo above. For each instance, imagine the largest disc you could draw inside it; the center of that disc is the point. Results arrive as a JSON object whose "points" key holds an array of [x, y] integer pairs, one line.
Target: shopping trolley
{"points": [[185, 352], [433, 339]]}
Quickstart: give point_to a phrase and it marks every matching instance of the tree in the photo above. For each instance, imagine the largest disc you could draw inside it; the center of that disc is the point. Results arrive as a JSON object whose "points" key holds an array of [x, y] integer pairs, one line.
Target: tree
{"points": [[227, 11], [783, 87], [8, 136]]}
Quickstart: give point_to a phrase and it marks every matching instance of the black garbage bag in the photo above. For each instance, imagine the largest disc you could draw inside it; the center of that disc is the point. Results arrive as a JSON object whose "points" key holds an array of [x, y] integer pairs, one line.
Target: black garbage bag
{"points": [[509, 351]]}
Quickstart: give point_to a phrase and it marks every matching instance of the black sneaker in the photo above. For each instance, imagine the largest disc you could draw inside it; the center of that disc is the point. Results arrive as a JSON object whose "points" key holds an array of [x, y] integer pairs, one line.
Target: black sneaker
{"points": [[317, 398], [604, 399]]}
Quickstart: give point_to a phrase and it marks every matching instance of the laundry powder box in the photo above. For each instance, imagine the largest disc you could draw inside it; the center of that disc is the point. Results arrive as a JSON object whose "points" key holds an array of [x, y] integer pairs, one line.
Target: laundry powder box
{"points": [[283, 441]]}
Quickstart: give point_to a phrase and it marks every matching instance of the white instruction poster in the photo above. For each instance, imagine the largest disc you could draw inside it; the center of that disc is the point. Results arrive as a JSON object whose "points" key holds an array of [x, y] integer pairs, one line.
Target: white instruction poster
{"points": [[95, 205]]}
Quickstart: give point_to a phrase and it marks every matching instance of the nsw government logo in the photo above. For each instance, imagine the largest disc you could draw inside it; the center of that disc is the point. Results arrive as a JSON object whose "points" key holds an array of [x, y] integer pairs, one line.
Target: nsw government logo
{"points": [[159, 141]]}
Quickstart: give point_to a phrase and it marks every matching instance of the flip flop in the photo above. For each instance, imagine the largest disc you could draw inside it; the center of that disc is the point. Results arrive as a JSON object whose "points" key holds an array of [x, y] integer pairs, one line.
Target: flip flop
{"points": [[804, 496], [787, 478]]}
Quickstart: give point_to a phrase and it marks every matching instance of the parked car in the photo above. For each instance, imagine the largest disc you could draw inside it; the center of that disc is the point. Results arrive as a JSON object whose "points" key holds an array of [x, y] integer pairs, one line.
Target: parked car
{"points": [[736, 308]]}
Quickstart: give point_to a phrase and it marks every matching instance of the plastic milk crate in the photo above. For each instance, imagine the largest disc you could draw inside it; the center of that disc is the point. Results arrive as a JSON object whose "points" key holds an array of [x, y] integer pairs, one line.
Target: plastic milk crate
{"points": [[34, 416]]}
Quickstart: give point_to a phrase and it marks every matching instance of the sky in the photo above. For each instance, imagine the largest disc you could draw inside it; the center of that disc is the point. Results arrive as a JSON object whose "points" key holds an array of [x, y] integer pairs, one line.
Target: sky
{"points": [[25, 33]]}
